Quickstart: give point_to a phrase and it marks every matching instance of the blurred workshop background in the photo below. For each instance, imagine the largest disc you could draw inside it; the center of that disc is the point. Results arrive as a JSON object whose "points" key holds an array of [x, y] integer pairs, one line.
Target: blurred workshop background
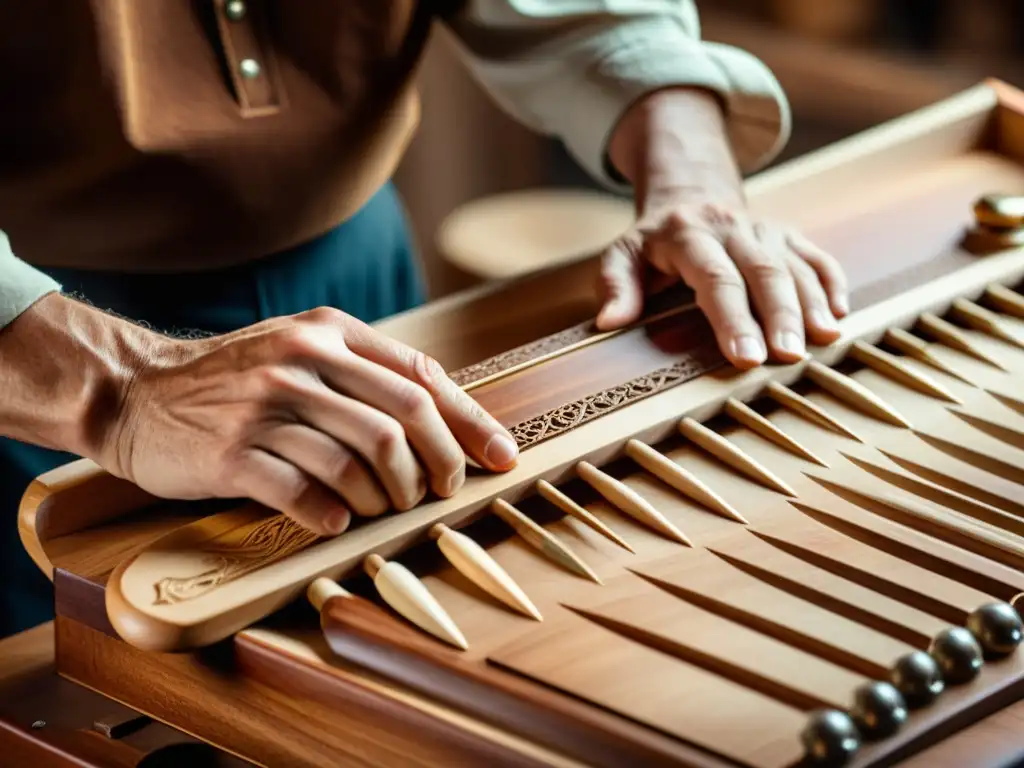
{"points": [[484, 194]]}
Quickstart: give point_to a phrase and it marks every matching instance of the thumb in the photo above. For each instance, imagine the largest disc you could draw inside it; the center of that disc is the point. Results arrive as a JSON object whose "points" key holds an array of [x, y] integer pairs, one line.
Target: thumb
{"points": [[621, 283]]}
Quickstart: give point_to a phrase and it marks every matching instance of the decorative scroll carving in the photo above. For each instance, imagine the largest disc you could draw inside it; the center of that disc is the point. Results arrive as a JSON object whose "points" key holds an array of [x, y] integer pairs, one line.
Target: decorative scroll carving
{"points": [[524, 354], [696, 363], [236, 553], [677, 296]]}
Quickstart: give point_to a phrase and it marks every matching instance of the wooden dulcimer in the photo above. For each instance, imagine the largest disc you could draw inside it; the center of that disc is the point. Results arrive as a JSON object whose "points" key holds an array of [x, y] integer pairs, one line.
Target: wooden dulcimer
{"points": [[819, 563]]}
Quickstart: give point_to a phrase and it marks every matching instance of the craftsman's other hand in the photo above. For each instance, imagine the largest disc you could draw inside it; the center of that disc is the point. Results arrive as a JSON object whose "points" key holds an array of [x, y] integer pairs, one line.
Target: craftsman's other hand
{"points": [[316, 415], [765, 289]]}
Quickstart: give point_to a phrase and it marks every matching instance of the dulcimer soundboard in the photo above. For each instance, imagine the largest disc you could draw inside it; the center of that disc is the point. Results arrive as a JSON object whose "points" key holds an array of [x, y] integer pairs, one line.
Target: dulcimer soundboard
{"points": [[815, 564]]}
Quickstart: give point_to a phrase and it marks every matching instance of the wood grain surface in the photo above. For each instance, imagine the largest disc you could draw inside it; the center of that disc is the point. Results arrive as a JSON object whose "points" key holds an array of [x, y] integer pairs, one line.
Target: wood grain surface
{"points": [[760, 584]]}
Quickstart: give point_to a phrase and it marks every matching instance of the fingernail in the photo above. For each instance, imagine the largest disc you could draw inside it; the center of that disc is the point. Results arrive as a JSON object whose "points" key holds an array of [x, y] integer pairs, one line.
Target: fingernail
{"points": [[336, 522], [790, 343], [501, 451], [842, 305], [822, 319], [748, 348]]}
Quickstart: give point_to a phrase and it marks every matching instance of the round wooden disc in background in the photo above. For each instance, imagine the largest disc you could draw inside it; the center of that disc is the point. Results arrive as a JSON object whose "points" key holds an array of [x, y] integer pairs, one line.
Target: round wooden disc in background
{"points": [[506, 235]]}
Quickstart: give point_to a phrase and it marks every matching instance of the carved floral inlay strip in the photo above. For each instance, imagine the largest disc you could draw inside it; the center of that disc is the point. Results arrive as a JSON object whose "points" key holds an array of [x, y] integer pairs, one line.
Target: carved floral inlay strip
{"points": [[571, 415], [524, 354], [236, 553]]}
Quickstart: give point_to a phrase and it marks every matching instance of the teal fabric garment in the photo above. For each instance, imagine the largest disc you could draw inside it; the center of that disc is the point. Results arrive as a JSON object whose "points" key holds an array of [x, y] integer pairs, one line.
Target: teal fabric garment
{"points": [[366, 267]]}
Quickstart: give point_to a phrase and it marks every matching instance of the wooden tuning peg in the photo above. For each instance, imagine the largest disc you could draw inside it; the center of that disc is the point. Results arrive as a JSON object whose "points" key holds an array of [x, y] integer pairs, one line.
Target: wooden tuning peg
{"points": [[408, 596], [473, 562]]}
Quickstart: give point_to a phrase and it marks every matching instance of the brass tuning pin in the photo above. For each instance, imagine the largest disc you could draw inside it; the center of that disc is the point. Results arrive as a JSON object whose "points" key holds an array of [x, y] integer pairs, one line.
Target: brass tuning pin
{"points": [[998, 224]]}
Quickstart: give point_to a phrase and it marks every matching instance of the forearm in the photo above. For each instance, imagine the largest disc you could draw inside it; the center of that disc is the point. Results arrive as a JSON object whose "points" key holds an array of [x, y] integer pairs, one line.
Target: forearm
{"points": [[672, 146], [64, 368]]}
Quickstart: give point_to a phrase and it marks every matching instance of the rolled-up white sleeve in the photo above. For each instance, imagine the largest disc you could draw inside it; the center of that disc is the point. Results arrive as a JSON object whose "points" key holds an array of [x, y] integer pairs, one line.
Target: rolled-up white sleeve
{"points": [[571, 68], [21, 284]]}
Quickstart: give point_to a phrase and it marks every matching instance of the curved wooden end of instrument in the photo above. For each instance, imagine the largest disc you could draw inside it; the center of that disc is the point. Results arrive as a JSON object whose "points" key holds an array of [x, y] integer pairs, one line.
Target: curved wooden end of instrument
{"points": [[150, 633], [68, 499], [137, 628]]}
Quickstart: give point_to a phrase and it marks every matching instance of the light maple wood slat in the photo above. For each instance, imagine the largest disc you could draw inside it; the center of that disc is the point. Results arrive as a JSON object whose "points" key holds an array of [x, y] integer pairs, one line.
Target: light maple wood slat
{"points": [[666, 693], [711, 583], [653, 617], [767, 559], [896, 577], [1011, 434], [903, 478], [979, 450], [961, 478]]}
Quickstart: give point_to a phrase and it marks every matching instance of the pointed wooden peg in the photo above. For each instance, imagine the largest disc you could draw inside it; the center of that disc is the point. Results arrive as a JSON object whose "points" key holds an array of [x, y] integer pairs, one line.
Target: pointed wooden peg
{"points": [[755, 422], [801, 406], [984, 320], [953, 337], [891, 366], [626, 500], [854, 393], [911, 346], [570, 507], [681, 479], [473, 562], [408, 596], [1004, 299], [731, 455], [543, 541]]}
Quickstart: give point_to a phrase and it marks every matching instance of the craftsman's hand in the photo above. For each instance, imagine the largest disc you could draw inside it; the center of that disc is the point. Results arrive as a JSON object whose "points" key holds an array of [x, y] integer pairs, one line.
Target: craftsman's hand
{"points": [[765, 289], [317, 415]]}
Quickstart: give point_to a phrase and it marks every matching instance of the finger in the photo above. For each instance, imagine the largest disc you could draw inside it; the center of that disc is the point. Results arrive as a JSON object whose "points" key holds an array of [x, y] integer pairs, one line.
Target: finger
{"points": [[324, 458], [277, 484], [479, 433], [621, 282], [703, 264], [829, 271], [378, 438], [412, 407], [818, 319], [772, 291]]}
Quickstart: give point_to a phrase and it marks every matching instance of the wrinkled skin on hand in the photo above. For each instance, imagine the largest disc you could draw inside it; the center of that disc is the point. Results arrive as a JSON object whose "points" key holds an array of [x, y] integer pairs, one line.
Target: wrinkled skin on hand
{"points": [[766, 290], [317, 415]]}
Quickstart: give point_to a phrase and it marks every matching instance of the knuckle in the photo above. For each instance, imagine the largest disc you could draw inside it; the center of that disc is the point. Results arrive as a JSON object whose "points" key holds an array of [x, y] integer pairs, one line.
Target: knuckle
{"points": [[767, 270], [413, 496], [449, 463], [323, 315], [342, 466], [802, 271], [413, 403], [676, 221], [718, 215], [273, 382], [292, 341], [296, 488], [716, 276], [428, 372], [388, 439]]}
